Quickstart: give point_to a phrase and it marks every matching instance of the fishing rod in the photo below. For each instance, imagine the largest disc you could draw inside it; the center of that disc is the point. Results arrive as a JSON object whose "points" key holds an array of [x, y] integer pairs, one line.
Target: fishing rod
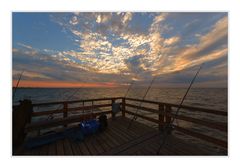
{"points": [[134, 116], [131, 84], [177, 111], [15, 89]]}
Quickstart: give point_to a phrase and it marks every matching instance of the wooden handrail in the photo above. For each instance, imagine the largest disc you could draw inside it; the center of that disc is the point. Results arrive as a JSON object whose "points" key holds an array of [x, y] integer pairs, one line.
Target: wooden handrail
{"points": [[217, 112], [35, 114], [183, 130], [210, 124], [61, 121], [72, 101], [202, 136]]}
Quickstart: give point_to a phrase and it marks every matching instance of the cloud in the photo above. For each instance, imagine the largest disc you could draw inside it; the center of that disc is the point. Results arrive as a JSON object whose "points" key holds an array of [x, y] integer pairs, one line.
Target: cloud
{"points": [[109, 46], [171, 40], [156, 24], [25, 46], [74, 20], [211, 46], [28, 75], [161, 55], [103, 17], [126, 17]]}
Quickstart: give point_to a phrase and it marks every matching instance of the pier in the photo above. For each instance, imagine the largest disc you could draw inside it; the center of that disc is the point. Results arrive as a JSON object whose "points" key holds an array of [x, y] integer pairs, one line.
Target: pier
{"points": [[140, 139]]}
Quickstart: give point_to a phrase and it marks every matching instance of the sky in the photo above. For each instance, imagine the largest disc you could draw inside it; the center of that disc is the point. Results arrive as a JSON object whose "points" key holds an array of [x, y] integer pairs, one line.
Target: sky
{"points": [[112, 49]]}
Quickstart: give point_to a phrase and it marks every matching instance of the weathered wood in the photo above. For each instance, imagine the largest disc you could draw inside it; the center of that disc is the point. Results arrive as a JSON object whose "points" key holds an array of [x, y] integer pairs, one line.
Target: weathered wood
{"points": [[161, 117], [167, 114], [83, 110], [113, 114], [118, 135], [144, 117], [123, 106], [102, 142], [75, 148], [198, 135], [52, 149], [210, 124], [199, 109], [83, 148], [201, 136], [126, 146], [62, 121], [97, 144], [42, 113], [60, 148], [90, 147], [73, 101], [67, 147], [132, 142], [21, 117], [44, 150], [65, 112]]}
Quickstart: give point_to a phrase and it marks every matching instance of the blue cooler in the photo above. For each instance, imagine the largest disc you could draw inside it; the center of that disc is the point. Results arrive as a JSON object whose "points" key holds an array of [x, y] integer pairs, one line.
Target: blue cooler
{"points": [[89, 127]]}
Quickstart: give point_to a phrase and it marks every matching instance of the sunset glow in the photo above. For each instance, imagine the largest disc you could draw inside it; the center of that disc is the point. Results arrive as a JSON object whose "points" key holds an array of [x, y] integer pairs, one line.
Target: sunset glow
{"points": [[60, 84]]}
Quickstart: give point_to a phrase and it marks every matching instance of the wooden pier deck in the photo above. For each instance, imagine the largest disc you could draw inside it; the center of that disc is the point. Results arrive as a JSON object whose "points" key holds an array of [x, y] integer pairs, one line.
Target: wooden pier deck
{"points": [[117, 139]]}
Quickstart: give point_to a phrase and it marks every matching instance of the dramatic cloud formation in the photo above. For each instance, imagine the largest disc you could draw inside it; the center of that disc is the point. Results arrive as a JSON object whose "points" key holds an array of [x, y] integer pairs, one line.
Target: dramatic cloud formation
{"points": [[118, 47]]}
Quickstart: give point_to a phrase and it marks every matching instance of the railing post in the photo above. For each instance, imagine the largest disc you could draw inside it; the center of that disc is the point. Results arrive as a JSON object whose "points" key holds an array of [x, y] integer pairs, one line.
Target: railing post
{"points": [[65, 111], [113, 115], [123, 106], [161, 117], [168, 119], [21, 116]]}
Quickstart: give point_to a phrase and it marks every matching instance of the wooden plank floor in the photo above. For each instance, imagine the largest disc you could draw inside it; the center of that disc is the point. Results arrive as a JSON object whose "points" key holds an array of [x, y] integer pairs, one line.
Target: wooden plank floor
{"points": [[118, 140]]}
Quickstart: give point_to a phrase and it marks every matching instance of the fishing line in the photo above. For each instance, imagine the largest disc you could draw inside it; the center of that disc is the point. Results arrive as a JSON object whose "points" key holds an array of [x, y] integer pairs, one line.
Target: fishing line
{"points": [[19, 79], [177, 111], [129, 87], [51, 115], [131, 84], [134, 116]]}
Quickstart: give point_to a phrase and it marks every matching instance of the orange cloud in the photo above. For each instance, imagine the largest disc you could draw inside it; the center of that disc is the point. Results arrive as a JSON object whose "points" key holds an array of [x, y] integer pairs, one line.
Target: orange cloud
{"points": [[61, 84]]}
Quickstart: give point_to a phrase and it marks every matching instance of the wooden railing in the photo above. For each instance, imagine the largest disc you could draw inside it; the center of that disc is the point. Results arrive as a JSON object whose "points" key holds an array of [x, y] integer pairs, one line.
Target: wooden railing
{"points": [[164, 112], [81, 113]]}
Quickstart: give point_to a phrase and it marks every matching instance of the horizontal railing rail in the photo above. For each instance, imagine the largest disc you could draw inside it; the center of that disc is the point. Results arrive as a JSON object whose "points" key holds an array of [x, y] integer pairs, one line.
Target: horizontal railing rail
{"points": [[35, 114], [217, 112], [76, 101]]}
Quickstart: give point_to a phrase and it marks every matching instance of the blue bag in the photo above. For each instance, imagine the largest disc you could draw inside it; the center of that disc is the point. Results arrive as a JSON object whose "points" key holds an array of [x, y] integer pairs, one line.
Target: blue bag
{"points": [[89, 127]]}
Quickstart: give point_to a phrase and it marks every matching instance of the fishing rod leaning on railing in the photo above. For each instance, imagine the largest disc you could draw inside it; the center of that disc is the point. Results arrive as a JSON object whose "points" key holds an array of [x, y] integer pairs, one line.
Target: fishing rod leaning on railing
{"points": [[169, 125]]}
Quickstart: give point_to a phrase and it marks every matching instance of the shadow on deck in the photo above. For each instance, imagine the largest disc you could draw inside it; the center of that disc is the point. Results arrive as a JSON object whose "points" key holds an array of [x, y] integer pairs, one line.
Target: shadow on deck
{"points": [[140, 139]]}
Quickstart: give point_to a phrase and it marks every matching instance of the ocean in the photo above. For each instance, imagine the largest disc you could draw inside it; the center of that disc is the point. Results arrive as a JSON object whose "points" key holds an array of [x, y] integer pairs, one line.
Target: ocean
{"points": [[212, 98]]}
